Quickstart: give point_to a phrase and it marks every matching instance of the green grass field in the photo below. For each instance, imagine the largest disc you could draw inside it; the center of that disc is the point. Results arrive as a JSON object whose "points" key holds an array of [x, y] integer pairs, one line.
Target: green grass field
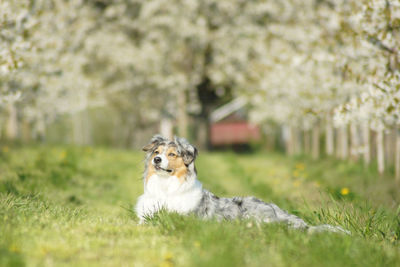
{"points": [[73, 207]]}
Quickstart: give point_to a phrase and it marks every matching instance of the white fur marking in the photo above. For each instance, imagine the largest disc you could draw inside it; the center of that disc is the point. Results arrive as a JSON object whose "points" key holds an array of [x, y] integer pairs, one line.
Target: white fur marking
{"points": [[168, 192]]}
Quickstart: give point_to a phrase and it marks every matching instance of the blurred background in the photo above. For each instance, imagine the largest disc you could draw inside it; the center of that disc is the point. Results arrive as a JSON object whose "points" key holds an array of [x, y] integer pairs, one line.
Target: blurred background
{"points": [[318, 77]]}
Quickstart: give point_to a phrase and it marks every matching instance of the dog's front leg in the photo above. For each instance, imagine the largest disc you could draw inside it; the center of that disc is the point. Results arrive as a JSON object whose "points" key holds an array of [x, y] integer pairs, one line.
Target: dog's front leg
{"points": [[146, 207]]}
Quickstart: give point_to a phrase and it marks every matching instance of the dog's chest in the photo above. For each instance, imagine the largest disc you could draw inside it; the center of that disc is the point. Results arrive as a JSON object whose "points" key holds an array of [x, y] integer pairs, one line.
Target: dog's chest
{"points": [[171, 193], [159, 186]]}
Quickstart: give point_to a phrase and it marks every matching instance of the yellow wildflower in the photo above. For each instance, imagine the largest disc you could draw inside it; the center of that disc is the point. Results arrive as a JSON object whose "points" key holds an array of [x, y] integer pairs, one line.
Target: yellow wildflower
{"points": [[296, 183], [300, 166], [168, 256], [166, 264], [168, 260], [344, 191], [44, 250], [63, 154], [13, 248]]}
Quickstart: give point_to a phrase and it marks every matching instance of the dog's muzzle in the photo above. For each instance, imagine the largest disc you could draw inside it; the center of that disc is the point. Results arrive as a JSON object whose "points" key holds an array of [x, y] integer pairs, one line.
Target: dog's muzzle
{"points": [[157, 165]]}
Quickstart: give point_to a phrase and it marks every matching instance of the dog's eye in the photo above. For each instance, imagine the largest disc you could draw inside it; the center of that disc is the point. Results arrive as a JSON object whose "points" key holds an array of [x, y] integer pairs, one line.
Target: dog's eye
{"points": [[156, 152], [171, 154]]}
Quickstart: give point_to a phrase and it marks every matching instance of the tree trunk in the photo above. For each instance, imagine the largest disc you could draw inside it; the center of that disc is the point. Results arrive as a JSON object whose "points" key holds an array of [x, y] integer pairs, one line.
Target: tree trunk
{"points": [[315, 142], [380, 150], [307, 143], [270, 142], [288, 138], [329, 136], [1, 127], [367, 145], [87, 127], [77, 129], [12, 123], [342, 151], [25, 131], [81, 129], [338, 141], [166, 128], [39, 130], [354, 142], [203, 128], [296, 141], [397, 155], [182, 114], [390, 144]]}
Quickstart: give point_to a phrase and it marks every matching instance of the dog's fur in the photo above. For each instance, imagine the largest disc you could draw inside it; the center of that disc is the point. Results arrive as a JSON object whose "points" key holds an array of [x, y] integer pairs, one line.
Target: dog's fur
{"points": [[170, 182]]}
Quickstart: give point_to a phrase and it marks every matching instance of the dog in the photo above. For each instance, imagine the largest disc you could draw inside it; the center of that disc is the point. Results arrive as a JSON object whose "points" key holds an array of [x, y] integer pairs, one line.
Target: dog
{"points": [[170, 182]]}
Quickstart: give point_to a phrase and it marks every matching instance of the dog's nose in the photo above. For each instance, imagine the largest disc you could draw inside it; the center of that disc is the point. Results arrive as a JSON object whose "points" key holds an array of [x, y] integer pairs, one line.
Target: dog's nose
{"points": [[157, 160]]}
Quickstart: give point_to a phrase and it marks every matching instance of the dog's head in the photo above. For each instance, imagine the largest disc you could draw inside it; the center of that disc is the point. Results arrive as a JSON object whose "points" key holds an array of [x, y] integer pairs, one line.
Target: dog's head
{"points": [[169, 157]]}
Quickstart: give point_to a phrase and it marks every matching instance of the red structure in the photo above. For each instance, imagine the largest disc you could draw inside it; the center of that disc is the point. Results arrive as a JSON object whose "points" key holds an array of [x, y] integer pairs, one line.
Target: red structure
{"points": [[233, 133], [230, 126]]}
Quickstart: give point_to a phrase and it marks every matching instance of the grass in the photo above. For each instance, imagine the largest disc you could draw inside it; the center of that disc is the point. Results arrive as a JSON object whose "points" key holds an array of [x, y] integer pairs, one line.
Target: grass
{"points": [[67, 206]]}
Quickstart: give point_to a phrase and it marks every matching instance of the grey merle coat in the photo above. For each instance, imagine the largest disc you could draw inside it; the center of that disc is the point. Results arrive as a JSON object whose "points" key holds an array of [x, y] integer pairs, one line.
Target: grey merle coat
{"points": [[170, 181]]}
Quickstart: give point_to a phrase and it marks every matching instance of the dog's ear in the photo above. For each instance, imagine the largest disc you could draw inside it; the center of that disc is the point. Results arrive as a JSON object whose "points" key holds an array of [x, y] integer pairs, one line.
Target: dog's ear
{"points": [[188, 151], [154, 142], [190, 155]]}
